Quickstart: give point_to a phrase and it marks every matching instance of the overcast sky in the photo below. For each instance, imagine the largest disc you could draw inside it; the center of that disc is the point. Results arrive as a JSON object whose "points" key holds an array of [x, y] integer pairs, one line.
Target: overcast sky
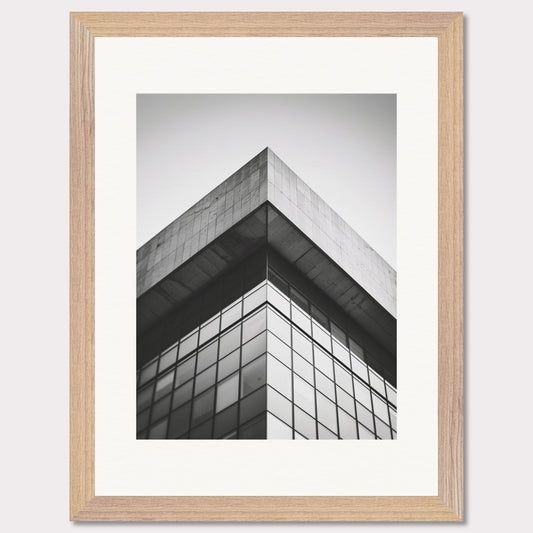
{"points": [[342, 146]]}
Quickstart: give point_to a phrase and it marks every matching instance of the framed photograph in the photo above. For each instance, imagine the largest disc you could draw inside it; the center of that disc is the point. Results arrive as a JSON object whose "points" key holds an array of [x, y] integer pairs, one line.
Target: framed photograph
{"points": [[266, 267]]}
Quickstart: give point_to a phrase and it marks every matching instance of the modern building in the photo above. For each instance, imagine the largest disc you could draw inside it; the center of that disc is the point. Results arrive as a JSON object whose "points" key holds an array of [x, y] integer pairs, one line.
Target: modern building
{"points": [[262, 315]]}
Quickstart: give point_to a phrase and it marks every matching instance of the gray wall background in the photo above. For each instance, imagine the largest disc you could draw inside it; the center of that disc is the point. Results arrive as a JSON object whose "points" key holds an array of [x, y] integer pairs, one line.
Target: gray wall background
{"points": [[342, 146]]}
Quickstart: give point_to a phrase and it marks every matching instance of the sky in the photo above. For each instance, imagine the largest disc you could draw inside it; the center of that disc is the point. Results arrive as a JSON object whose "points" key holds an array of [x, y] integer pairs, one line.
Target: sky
{"points": [[342, 146]]}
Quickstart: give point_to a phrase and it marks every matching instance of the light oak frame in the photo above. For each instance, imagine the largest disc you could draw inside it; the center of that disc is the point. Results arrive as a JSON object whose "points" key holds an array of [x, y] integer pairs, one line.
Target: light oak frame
{"points": [[448, 505]]}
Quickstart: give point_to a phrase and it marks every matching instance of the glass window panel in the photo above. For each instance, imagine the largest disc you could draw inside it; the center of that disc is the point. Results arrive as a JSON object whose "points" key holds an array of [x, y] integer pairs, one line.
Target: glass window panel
{"points": [[303, 368], [203, 431], [299, 299], [207, 356], [161, 408], [142, 419], [277, 430], [280, 377], [320, 317], [226, 421], [209, 329], [254, 348], [188, 344], [148, 372], [382, 430], [168, 359], [323, 362], [278, 281], [304, 424], [393, 418], [301, 319], [365, 433], [324, 433], [297, 436], [230, 341], [179, 421], [185, 371], [364, 416], [341, 353], [253, 376], [164, 385], [253, 405], [279, 405], [256, 429], [255, 299], [203, 407], [362, 393], [327, 413], [228, 392], [278, 300], [393, 434], [231, 315], [304, 395], [279, 326], [325, 385], [182, 394], [144, 398], [302, 345], [338, 333], [279, 349], [159, 431], [321, 336], [376, 382], [345, 401], [360, 368], [254, 325], [380, 408], [343, 378], [347, 426], [205, 380], [391, 395], [228, 365], [356, 349]]}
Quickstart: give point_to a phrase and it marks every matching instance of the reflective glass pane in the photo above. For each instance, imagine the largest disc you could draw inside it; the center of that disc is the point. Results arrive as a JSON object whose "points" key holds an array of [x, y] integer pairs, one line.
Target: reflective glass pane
{"points": [[362, 393], [304, 424], [277, 430], [297, 436], [393, 418], [207, 356], [185, 371], [324, 433], [319, 317], [323, 362], [380, 408], [345, 401], [326, 412], [228, 365], [301, 319], [144, 398], [391, 395], [226, 421], [161, 408], [203, 407], [279, 405], [338, 333], [209, 329], [255, 299], [364, 416], [231, 315], [279, 349], [343, 378], [164, 385], [230, 341], [205, 380], [228, 392], [382, 430], [159, 431], [303, 368], [356, 349], [256, 429], [253, 376], [302, 345], [179, 421], [280, 377], [203, 431], [347, 426], [304, 395], [325, 385], [142, 419], [254, 325], [360, 368], [376, 382], [321, 336], [253, 405], [365, 433], [168, 359], [148, 372], [182, 394], [280, 302], [188, 344], [341, 353], [254, 348], [279, 326]]}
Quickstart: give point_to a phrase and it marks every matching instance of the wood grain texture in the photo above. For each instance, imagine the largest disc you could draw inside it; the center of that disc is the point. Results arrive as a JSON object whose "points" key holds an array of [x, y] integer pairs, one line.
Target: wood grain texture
{"points": [[84, 505]]}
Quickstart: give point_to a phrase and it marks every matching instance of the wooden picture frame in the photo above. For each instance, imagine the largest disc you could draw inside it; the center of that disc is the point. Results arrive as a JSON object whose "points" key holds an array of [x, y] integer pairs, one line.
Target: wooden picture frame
{"points": [[448, 505]]}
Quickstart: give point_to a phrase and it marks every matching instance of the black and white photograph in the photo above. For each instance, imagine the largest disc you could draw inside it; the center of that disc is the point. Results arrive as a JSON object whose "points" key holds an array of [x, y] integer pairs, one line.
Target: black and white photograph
{"points": [[266, 266]]}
